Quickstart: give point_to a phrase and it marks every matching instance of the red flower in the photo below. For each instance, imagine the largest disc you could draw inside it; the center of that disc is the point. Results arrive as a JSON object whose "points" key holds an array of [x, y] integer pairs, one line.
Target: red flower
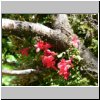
{"points": [[49, 61], [66, 75], [41, 45], [47, 46], [24, 51], [69, 62], [75, 41], [64, 66], [64, 71], [62, 63], [47, 52]]}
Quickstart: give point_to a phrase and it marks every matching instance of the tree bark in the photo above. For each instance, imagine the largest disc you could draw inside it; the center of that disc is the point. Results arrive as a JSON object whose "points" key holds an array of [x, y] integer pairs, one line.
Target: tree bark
{"points": [[18, 72], [59, 36]]}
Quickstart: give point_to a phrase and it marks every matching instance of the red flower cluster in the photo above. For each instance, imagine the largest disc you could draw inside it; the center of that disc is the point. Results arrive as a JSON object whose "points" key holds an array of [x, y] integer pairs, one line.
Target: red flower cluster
{"points": [[75, 41], [49, 62], [24, 51], [64, 66], [48, 59], [41, 45]]}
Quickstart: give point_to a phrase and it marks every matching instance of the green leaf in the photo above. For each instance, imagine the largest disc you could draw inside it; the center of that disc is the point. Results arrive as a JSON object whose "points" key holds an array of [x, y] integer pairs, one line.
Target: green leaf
{"points": [[11, 58]]}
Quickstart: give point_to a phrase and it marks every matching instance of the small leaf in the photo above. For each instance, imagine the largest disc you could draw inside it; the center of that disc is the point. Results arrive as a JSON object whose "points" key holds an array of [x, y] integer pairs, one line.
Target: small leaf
{"points": [[60, 55], [11, 58]]}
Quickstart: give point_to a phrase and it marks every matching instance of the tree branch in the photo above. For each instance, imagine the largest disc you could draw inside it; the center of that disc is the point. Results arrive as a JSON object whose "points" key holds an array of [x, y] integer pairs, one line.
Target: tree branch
{"points": [[18, 72], [18, 27], [8, 24], [61, 22]]}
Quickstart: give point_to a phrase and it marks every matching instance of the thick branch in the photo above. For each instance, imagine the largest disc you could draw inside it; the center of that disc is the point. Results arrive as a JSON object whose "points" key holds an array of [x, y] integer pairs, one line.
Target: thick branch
{"points": [[8, 24], [19, 27], [61, 22], [18, 72]]}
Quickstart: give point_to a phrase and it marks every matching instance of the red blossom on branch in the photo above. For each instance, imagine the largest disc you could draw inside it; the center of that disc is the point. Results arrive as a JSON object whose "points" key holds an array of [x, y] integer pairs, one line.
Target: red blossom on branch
{"points": [[24, 51], [64, 66], [48, 52], [64, 71], [47, 46], [49, 62], [41, 45], [64, 63], [75, 41], [48, 59]]}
